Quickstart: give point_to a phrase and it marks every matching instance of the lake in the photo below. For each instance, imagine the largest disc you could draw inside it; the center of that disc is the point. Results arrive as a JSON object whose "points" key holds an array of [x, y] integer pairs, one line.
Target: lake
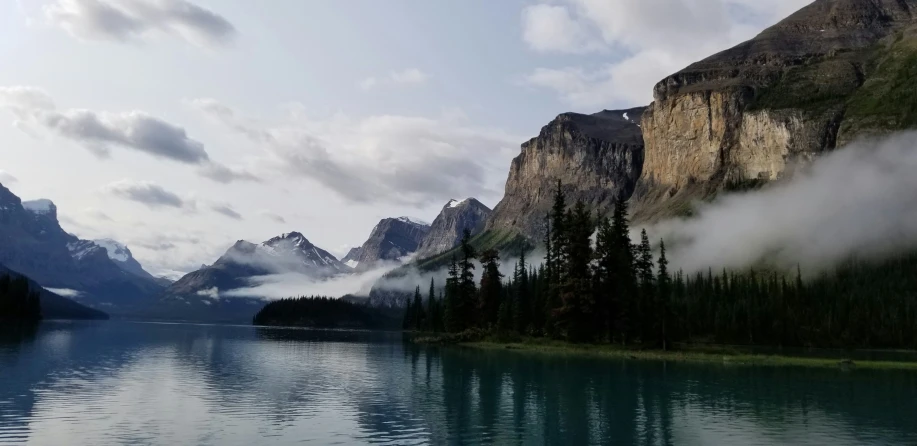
{"points": [[108, 383]]}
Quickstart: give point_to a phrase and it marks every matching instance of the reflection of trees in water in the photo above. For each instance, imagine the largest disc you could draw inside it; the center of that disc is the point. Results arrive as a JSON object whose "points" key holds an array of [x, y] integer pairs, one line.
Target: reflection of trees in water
{"points": [[505, 398]]}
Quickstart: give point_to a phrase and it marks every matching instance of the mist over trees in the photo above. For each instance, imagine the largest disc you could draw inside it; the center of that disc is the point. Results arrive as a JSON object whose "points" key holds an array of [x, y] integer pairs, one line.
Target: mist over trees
{"points": [[595, 285]]}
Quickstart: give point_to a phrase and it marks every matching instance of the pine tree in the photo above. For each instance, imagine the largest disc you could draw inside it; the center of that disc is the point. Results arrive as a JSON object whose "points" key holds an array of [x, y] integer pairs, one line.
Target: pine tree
{"points": [[664, 286], [522, 306], [647, 298], [467, 290], [418, 317], [491, 289], [577, 313], [452, 306]]}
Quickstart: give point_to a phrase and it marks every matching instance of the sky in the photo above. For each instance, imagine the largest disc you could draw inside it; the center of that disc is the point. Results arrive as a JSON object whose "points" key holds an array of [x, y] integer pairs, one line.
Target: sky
{"points": [[180, 126]]}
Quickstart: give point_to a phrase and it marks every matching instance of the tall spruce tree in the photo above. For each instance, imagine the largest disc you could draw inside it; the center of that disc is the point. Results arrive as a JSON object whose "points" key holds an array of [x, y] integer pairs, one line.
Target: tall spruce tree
{"points": [[467, 290], [433, 313], [453, 316], [491, 289], [522, 305], [418, 315], [663, 284], [577, 313]]}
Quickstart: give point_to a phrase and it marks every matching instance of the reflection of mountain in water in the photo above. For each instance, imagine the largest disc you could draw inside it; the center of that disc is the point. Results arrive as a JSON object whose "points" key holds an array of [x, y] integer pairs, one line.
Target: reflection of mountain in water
{"points": [[189, 384]]}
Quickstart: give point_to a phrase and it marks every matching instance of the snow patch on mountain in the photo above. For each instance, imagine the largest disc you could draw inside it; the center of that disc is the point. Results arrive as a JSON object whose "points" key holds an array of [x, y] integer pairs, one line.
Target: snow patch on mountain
{"points": [[81, 248], [116, 251], [415, 221]]}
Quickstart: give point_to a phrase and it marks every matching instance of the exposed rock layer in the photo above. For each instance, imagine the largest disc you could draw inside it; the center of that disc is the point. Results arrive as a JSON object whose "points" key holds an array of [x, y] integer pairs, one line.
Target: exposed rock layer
{"points": [[596, 158]]}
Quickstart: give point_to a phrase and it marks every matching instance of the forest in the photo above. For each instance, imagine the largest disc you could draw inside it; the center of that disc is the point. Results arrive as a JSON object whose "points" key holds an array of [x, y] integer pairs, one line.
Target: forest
{"points": [[321, 312], [595, 285], [17, 301]]}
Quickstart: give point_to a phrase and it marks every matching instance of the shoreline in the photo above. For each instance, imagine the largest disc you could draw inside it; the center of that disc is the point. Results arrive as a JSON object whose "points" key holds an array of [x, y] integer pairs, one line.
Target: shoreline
{"points": [[710, 354]]}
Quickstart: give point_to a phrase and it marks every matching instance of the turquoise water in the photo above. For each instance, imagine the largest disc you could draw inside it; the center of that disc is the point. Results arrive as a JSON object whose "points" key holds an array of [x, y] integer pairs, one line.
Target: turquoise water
{"points": [[114, 383]]}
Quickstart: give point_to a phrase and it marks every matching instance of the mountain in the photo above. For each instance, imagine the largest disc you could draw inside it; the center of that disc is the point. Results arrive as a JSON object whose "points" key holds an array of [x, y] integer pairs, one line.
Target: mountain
{"points": [[448, 227], [54, 306], [124, 259], [352, 259], [596, 157], [834, 71], [391, 239], [197, 295], [33, 243]]}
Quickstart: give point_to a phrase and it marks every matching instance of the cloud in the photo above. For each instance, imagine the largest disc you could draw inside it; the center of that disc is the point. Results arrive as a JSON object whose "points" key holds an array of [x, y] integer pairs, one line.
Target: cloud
{"points": [[398, 159], [147, 193], [647, 39], [101, 132], [279, 286], [550, 28], [223, 174], [135, 20], [273, 217], [97, 214], [226, 210], [408, 76], [65, 292], [211, 293], [857, 201], [7, 178]]}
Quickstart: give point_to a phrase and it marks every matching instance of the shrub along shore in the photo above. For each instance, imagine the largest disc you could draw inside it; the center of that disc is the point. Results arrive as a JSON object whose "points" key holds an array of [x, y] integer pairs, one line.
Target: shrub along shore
{"points": [[701, 353]]}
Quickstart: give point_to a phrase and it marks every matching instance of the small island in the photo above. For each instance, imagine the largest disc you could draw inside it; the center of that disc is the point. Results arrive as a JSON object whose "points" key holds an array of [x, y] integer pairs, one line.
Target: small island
{"points": [[323, 312]]}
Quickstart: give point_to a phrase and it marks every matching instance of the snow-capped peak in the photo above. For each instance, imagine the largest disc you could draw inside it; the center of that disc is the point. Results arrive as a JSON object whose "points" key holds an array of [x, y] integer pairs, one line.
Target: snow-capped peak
{"points": [[116, 251], [455, 203], [412, 220], [625, 117], [41, 206]]}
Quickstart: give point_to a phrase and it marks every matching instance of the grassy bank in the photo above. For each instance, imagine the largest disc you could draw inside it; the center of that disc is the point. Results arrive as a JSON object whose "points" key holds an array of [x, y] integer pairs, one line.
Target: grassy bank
{"points": [[726, 355]]}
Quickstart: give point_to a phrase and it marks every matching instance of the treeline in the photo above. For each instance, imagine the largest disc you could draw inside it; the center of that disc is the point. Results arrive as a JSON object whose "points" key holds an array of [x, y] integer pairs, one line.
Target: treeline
{"points": [[321, 312], [606, 289], [17, 301]]}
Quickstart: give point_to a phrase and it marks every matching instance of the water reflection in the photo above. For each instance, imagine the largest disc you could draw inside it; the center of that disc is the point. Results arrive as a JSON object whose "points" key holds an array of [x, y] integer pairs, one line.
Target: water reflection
{"points": [[120, 383]]}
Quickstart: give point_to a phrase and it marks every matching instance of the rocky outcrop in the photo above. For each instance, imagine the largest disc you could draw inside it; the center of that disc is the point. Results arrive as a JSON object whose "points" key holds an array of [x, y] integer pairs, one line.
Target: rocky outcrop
{"points": [[751, 114], [449, 226], [352, 259], [596, 158], [392, 239], [33, 243], [122, 256]]}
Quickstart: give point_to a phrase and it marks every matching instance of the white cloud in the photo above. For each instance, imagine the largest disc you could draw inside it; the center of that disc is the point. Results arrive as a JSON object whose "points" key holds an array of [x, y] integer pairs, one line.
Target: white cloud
{"points": [[387, 158], [7, 178], [130, 20], [651, 38], [410, 76], [550, 28], [100, 132], [857, 200], [146, 193]]}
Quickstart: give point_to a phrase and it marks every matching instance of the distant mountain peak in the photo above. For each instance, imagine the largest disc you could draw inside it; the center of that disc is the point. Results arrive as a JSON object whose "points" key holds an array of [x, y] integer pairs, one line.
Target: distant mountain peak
{"points": [[451, 223]]}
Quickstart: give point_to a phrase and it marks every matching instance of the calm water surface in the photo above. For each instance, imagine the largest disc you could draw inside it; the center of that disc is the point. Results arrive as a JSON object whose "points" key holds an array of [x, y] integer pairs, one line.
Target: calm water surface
{"points": [[113, 383]]}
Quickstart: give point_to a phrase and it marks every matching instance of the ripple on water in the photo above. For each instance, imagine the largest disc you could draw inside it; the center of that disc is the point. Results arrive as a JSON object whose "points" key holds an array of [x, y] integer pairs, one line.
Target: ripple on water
{"points": [[119, 383]]}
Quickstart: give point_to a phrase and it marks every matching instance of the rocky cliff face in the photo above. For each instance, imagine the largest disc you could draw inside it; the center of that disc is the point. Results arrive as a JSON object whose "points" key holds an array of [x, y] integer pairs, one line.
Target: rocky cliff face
{"points": [[33, 243], [834, 71], [391, 239], [596, 158], [449, 226]]}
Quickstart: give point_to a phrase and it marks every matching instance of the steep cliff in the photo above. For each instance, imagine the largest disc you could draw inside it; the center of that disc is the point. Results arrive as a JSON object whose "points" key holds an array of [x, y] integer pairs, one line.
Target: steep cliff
{"points": [[596, 157], [448, 227], [834, 71]]}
